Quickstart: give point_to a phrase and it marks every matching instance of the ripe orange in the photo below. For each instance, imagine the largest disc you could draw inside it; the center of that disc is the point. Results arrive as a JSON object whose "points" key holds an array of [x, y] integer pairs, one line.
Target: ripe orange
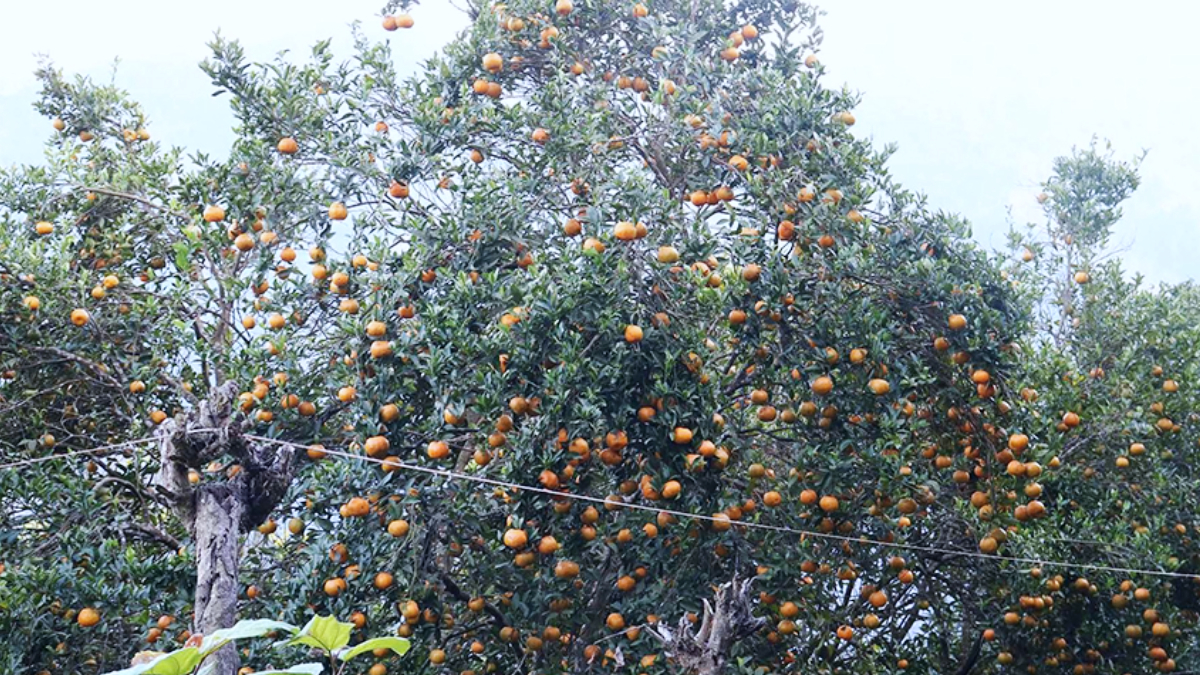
{"points": [[337, 211], [625, 231], [828, 503], [288, 146], [633, 334], [822, 385], [957, 322], [879, 387], [79, 317], [515, 538], [213, 214], [87, 617], [376, 446], [438, 450]]}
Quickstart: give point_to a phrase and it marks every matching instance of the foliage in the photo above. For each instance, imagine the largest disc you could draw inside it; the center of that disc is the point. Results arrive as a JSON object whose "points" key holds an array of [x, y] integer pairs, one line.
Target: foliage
{"points": [[793, 340], [324, 635]]}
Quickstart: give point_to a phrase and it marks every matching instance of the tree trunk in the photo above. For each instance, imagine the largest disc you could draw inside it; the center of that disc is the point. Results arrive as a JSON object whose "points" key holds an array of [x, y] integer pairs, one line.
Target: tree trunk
{"points": [[215, 532], [216, 513], [726, 621]]}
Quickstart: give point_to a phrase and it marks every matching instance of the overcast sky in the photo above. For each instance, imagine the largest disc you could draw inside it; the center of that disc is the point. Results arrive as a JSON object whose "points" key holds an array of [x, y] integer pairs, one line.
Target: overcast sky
{"points": [[980, 97]]}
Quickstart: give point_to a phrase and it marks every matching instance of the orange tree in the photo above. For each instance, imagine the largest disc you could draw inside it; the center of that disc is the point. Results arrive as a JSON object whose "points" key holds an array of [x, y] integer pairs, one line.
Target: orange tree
{"points": [[629, 256]]}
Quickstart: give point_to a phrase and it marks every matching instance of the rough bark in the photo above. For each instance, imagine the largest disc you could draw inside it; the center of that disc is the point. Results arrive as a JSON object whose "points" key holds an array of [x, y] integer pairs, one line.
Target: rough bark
{"points": [[726, 621], [216, 513]]}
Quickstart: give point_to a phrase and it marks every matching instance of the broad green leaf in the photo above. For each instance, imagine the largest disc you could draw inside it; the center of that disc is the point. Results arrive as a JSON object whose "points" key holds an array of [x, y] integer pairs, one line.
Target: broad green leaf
{"points": [[178, 662], [398, 645], [324, 632], [251, 628], [298, 669]]}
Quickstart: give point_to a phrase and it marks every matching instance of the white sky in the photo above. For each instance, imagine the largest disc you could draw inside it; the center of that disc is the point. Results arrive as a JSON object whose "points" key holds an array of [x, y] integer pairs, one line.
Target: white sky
{"points": [[980, 97]]}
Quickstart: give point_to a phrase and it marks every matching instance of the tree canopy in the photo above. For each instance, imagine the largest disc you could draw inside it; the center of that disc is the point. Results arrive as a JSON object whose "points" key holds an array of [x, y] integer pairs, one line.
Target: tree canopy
{"points": [[601, 344]]}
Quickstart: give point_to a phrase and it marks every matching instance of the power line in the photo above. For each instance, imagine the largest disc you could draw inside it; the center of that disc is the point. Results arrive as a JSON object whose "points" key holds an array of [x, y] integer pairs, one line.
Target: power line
{"points": [[397, 464], [446, 473], [74, 453]]}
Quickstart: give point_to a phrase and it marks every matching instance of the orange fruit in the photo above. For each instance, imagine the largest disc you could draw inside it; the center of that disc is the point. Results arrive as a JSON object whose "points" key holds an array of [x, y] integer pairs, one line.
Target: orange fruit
{"points": [[822, 385], [438, 450], [515, 538], [87, 617], [213, 214], [625, 231]]}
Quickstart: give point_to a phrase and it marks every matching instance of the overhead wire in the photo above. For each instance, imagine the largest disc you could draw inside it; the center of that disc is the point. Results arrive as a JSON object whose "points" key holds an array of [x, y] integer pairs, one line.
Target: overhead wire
{"points": [[396, 464]]}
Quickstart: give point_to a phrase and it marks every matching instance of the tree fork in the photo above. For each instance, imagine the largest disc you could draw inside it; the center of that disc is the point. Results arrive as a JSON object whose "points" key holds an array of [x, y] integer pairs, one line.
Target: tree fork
{"points": [[216, 514], [726, 621]]}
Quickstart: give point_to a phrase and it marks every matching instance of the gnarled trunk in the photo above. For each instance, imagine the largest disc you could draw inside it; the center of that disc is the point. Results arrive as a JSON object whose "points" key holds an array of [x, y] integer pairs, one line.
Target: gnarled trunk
{"points": [[726, 621], [217, 513]]}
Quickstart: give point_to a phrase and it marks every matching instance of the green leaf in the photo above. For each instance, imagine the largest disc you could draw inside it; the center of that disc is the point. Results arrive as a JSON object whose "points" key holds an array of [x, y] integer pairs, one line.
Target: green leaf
{"points": [[324, 632], [398, 645], [178, 662], [182, 263], [241, 630], [298, 669]]}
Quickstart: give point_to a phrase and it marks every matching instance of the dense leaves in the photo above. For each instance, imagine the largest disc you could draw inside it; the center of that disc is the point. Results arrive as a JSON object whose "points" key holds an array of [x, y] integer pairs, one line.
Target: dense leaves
{"points": [[627, 252]]}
